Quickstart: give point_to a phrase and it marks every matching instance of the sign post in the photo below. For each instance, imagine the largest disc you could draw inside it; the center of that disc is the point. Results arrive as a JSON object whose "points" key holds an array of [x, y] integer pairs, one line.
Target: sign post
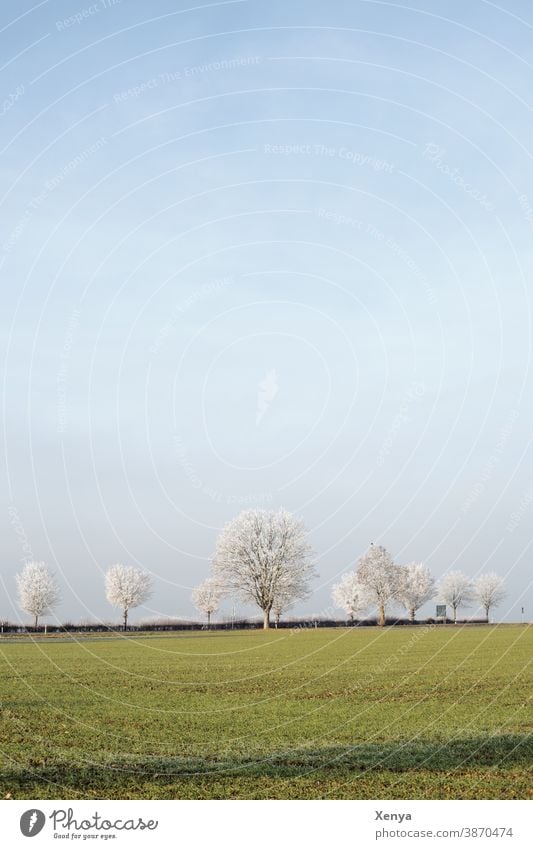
{"points": [[441, 612]]}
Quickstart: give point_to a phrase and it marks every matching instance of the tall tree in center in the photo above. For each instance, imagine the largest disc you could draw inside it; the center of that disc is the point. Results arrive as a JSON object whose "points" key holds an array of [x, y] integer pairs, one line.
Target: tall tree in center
{"points": [[263, 555]]}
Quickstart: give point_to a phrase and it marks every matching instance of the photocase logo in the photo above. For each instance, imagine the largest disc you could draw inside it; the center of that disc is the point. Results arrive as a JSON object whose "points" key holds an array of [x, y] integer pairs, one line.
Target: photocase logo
{"points": [[32, 822], [267, 390]]}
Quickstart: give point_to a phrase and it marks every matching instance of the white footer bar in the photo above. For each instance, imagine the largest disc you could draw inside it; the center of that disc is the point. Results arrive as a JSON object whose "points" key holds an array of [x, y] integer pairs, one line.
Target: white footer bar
{"points": [[260, 824]]}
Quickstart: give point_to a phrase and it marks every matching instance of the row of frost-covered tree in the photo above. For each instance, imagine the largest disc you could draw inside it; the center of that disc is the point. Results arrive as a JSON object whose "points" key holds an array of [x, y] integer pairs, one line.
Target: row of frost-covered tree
{"points": [[263, 558], [379, 582]]}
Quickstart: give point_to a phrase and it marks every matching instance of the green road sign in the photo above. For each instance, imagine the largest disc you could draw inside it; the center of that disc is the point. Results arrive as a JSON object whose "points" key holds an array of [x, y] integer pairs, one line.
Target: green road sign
{"points": [[441, 610]]}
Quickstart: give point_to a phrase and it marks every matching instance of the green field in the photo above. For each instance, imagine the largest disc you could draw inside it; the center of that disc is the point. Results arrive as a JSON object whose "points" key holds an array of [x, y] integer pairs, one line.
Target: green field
{"points": [[330, 713]]}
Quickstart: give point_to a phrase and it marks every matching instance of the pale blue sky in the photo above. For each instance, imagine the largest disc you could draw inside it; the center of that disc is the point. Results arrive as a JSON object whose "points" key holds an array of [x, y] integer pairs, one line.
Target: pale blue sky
{"points": [[336, 199]]}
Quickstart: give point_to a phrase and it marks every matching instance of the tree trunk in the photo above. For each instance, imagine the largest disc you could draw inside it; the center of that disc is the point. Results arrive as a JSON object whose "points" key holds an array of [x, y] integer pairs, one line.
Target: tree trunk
{"points": [[36, 621], [266, 618], [487, 608], [208, 619], [455, 614], [381, 615], [125, 620], [412, 614]]}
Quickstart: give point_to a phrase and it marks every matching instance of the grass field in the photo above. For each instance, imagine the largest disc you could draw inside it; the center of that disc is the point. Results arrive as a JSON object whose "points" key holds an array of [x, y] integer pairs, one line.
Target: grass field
{"points": [[364, 713]]}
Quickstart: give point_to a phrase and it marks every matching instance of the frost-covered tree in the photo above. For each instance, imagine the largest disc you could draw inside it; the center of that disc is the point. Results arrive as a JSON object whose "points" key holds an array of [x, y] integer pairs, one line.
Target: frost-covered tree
{"points": [[127, 587], [378, 577], [263, 555], [490, 591], [206, 598], [282, 602], [37, 589], [455, 590], [349, 595], [415, 587]]}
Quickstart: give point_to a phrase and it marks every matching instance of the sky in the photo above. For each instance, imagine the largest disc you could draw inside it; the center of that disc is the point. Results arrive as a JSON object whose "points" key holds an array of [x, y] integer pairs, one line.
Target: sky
{"points": [[257, 255]]}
